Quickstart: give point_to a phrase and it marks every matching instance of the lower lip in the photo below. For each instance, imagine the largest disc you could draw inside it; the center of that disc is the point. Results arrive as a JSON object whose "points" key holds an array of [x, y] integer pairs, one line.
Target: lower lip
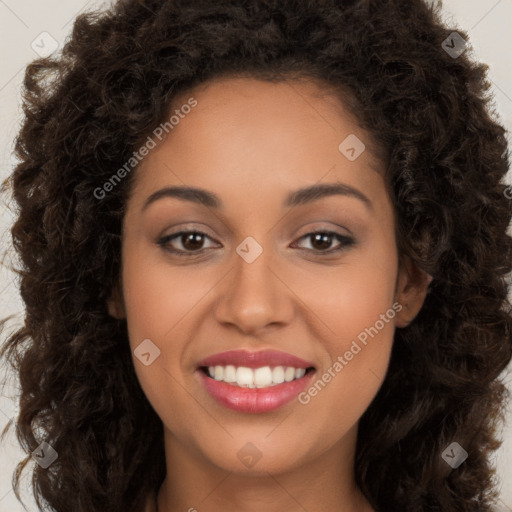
{"points": [[254, 400]]}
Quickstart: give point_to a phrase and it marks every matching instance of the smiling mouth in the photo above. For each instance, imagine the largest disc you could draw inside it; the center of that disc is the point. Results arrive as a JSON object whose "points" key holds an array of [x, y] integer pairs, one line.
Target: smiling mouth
{"points": [[255, 378]]}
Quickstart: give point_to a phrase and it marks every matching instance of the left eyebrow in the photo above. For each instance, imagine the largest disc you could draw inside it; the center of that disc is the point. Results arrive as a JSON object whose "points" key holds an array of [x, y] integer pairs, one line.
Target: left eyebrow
{"points": [[296, 198], [316, 192]]}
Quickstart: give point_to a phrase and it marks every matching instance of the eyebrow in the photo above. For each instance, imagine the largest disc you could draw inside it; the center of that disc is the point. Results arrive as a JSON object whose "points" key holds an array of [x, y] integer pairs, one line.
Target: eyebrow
{"points": [[296, 198]]}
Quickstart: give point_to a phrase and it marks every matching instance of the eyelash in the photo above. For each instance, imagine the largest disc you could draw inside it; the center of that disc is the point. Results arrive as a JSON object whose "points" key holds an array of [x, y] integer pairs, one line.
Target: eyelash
{"points": [[163, 242]]}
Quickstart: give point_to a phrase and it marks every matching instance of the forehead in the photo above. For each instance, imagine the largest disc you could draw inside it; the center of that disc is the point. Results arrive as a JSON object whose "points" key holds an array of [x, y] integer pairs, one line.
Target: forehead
{"points": [[245, 133], [246, 103]]}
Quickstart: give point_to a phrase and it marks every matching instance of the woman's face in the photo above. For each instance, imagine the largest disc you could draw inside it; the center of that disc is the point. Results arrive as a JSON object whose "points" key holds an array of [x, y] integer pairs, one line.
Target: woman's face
{"points": [[256, 279]]}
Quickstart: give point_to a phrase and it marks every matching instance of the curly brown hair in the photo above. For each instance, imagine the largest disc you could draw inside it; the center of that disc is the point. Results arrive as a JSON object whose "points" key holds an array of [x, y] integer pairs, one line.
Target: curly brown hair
{"points": [[88, 108]]}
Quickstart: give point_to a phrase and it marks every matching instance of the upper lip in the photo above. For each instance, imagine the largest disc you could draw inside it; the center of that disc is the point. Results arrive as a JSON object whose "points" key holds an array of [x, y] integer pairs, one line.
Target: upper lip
{"points": [[255, 359]]}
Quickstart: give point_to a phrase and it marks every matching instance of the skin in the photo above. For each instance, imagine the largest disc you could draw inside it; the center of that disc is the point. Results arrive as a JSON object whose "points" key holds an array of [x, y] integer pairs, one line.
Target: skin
{"points": [[252, 142]]}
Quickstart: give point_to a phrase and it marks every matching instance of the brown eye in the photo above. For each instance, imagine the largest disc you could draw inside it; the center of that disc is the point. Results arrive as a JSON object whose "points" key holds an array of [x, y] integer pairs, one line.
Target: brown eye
{"points": [[321, 241], [193, 242], [190, 241]]}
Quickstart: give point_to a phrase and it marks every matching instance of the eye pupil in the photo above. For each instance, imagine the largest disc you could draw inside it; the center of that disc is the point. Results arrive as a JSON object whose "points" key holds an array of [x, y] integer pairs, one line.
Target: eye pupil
{"points": [[322, 240], [195, 238]]}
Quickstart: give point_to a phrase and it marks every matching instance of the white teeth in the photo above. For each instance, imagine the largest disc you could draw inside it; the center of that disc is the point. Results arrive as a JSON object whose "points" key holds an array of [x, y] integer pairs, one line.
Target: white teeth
{"points": [[263, 377], [219, 373], [289, 374], [300, 372], [278, 375], [230, 373], [244, 376]]}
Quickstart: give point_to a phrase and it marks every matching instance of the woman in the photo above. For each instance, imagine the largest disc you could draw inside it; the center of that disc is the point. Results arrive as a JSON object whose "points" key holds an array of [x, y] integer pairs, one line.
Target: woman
{"points": [[263, 254]]}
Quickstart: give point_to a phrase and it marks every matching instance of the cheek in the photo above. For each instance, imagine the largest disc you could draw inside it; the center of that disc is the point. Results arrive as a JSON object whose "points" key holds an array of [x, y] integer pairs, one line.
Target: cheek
{"points": [[356, 303], [158, 297], [362, 299], [158, 302], [360, 314], [351, 297]]}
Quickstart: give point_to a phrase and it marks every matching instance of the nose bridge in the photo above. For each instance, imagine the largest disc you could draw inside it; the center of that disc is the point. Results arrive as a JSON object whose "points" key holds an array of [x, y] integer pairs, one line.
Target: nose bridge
{"points": [[255, 296]]}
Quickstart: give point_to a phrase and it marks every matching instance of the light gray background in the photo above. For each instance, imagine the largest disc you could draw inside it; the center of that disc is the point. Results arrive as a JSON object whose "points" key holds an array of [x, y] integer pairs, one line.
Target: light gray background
{"points": [[30, 26]]}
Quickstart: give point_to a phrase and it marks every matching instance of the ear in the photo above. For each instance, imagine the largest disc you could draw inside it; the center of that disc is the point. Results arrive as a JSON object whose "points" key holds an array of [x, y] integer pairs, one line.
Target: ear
{"points": [[115, 304], [411, 290]]}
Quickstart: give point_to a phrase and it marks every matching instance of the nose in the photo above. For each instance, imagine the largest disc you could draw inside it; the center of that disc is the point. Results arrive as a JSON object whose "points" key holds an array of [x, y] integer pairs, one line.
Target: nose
{"points": [[254, 295]]}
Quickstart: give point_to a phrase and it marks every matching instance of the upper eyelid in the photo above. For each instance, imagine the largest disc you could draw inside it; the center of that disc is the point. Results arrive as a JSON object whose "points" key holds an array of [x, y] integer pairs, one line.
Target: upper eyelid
{"points": [[322, 227]]}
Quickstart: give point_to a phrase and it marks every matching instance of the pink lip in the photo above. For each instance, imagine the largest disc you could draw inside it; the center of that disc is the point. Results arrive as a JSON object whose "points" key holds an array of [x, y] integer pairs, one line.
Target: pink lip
{"points": [[254, 400], [255, 359]]}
